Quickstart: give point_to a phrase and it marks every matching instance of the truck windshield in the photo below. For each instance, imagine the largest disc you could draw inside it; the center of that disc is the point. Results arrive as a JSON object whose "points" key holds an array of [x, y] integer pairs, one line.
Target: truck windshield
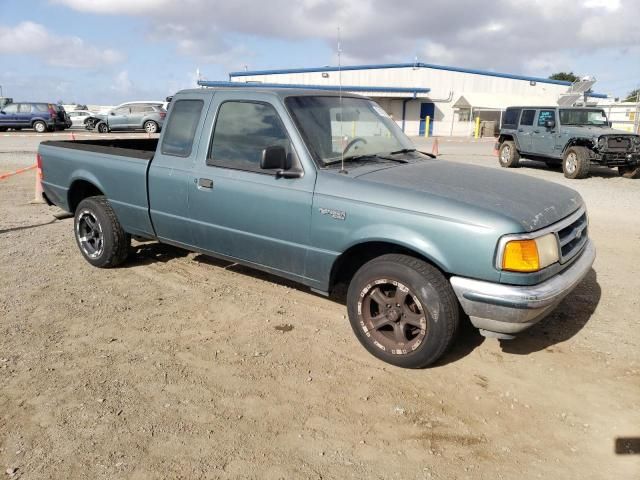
{"points": [[356, 128], [570, 116]]}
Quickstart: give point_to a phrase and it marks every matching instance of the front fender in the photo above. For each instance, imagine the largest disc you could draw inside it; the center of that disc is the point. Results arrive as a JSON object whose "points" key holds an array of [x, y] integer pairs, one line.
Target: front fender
{"points": [[403, 237]]}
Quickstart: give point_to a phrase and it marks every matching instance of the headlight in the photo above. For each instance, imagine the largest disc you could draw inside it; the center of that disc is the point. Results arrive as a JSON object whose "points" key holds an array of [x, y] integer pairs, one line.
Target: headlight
{"points": [[529, 255]]}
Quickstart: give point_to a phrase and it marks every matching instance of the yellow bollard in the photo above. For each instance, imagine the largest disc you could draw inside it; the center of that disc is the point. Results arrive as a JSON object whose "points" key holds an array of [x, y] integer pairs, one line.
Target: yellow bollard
{"points": [[427, 121], [476, 132]]}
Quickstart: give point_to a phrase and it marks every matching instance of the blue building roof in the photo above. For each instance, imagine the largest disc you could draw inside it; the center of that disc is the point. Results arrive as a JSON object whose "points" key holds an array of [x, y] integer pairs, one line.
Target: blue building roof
{"points": [[407, 65], [346, 88]]}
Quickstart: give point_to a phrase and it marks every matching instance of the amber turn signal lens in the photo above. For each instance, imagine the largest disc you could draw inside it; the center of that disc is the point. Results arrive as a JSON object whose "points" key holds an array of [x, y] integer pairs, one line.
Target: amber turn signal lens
{"points": [[521, 256]]}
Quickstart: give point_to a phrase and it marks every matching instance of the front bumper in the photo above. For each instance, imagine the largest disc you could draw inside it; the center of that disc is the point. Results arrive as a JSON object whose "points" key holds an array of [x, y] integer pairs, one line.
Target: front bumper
{"points": [[617, 159], [504, 310]]}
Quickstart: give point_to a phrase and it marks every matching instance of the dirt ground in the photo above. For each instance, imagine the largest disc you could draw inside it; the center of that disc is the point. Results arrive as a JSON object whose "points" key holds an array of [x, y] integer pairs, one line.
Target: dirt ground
{"points": [[179, 366]]}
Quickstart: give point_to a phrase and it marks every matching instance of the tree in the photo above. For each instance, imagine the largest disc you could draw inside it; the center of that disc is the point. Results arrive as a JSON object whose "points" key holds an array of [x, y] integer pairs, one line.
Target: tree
{"points": [[565, 77], [633, 95]]}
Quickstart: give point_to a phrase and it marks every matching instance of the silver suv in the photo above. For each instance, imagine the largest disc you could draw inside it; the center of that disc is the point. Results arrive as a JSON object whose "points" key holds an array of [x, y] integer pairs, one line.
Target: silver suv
{"points": [[131, 116]]}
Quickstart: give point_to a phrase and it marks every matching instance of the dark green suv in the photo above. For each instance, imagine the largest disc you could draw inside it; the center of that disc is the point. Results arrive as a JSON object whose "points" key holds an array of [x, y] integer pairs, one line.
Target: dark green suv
{"points": [[574, 137]]}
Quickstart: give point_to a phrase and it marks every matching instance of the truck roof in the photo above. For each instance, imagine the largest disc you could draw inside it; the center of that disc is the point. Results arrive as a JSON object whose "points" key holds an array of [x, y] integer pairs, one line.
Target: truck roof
{"points": [[280, 92]]}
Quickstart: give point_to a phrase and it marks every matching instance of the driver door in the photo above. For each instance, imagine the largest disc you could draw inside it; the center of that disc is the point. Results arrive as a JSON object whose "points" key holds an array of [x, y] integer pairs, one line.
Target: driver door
{"points": [[119, 118], [239, 210]]}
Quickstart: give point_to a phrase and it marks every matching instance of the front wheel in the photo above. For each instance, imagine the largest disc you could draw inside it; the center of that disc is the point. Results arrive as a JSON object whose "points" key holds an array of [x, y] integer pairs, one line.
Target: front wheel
{"points": [[103, 128], [508, 155], [629, 172], [402, 310], [99, 235], [576, 163], [150, 126]]}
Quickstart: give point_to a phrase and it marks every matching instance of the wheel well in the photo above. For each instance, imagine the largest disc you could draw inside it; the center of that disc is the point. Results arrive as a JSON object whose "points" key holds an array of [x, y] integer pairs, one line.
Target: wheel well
{"points": [[578, 142], [504, 137], [348, 263], [81, 189]]}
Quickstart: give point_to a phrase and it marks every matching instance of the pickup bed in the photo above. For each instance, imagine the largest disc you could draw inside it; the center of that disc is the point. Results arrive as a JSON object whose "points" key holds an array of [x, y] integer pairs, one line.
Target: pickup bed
{"points": [[326, 190]]}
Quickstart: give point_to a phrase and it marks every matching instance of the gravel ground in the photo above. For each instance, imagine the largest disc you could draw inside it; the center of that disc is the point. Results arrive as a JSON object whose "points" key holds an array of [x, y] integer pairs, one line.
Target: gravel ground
{"points": [[180, 366]]}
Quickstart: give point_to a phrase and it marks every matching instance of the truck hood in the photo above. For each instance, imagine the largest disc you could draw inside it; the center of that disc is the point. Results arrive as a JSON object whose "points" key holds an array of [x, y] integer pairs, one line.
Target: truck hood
{"points": [[529, 202], [594, 132]]}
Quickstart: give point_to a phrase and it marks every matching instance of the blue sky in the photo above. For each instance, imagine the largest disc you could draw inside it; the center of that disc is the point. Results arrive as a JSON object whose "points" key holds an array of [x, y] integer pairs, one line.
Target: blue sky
{"points": [[109, 51]]}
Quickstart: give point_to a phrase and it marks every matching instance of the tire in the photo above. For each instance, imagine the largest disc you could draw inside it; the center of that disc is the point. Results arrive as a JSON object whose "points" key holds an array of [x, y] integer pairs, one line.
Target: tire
{"points": [[508, 155], [98, 233], [426, 300], [102, 128], [40, 126], [576, 163], [629, 172], [150, 126]]}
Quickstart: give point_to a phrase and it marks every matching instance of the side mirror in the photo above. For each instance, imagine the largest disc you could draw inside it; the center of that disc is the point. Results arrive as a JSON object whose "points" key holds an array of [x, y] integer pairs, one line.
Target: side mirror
{"points": [[112, 113], [550, 123], [273, 157]]}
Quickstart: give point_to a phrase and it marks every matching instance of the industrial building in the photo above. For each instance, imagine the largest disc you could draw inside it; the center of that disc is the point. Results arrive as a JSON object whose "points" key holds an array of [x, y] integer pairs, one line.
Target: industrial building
{"points": [[451, 97]]}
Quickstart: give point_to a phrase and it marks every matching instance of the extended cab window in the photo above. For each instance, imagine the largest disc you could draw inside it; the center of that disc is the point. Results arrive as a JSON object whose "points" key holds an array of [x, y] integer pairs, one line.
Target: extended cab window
{"points": [[181, 128], [242, 131], [545, 115], [527, 117]]}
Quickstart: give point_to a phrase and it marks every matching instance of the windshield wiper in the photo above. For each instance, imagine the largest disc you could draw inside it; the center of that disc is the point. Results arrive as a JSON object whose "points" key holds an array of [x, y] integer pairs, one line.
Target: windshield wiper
{"points": [[351, 158], [404, 150]]}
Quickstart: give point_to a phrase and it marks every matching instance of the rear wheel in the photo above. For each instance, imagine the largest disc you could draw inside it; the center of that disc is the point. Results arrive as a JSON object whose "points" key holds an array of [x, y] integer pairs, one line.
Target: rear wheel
{"points": [[402, 310], [40, 126], [150, 126], [508, 155], [576, 162], [629, 172], [99, 235]]}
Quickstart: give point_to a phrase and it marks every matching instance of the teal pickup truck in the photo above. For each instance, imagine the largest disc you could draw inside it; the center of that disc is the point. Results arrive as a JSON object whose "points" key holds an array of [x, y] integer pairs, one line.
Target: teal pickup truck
{"points": [[326, 190]]}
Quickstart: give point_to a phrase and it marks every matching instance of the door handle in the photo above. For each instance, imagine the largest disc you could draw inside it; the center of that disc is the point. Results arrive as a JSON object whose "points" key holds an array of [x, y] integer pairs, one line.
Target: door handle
{"points": [[204, 183]]}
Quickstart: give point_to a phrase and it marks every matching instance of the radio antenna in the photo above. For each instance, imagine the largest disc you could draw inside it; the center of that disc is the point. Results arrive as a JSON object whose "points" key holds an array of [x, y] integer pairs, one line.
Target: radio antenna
{"points": [[342, 170]]}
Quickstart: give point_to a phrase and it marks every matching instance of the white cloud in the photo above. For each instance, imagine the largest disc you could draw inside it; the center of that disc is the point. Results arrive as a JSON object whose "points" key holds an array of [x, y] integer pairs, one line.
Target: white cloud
{"points": [[31, 38], [121, 83], [511, 35]]}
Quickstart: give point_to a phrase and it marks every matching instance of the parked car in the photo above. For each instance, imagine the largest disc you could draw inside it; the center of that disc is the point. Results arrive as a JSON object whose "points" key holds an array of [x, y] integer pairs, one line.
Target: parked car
{"points": [[39, 116], [79, 117], [131, 116], [264, 177], [573, 137]]}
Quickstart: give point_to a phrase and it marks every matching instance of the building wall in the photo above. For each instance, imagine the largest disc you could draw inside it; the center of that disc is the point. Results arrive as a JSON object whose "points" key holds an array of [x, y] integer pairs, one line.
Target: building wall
{"points": [[446, 88]]}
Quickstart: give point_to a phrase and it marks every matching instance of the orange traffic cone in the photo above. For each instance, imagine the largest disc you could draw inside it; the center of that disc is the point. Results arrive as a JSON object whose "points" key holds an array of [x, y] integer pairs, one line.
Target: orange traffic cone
{"points": [[37, 197], [434, 149], [73, 137]]}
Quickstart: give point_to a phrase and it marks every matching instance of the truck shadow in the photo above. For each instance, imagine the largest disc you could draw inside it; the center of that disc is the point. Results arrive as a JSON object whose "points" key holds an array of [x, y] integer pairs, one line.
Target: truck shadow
{"points": [[595, 171], [563, 323], [566, 321]]}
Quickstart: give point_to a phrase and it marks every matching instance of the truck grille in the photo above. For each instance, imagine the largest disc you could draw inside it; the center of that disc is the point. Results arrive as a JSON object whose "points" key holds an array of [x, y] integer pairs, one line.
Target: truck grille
{"points": [[572, 238], [619, 143]]}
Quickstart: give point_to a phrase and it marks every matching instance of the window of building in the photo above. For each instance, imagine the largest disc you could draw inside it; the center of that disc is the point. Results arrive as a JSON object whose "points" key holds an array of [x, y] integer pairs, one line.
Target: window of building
{"points": [[181, 128], [242, 131], [527, 117]]}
